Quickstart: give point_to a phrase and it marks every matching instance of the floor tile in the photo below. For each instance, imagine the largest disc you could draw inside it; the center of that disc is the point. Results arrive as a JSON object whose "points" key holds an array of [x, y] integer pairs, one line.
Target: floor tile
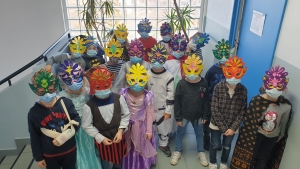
{"points": [[9, 159], [5, 166], [27, 149], [24, 160], [34, 166], [164, 162]]}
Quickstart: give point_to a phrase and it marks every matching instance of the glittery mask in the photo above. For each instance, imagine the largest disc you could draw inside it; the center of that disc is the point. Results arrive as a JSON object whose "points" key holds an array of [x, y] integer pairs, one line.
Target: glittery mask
{"points": [[121, 32], [178, 42], [113, 49], [70, 72], [200, 39], [136, 48], [138, 75], [77, 44], [100, 79], [193, 65], [276, 78], [165, 29], [144, 26], [222, 50], [234, 67], [90, 41], [43, 82], [158, 54]]}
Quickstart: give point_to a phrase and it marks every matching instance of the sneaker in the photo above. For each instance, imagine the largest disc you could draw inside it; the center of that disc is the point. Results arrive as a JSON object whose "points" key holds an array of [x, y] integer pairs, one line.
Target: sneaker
{"points": [[213, 166], [175, 157], [223, 166], [166, 150], [203, 159]]}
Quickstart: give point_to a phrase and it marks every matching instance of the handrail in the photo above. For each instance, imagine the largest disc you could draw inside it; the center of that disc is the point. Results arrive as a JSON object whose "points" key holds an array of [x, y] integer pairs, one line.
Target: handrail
{"points": [[43, 56]]}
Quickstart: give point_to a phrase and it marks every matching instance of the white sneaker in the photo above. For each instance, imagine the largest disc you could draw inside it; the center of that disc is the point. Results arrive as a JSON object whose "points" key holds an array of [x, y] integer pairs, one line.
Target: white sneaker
{"points": [[223, 166], [203, 159], [175, 157], [213, 166]]}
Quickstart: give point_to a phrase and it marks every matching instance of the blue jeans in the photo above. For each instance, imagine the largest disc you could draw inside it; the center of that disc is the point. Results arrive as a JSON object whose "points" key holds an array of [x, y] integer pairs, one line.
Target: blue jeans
{"points": [[198, 128], [106, 165], [215, 144]]}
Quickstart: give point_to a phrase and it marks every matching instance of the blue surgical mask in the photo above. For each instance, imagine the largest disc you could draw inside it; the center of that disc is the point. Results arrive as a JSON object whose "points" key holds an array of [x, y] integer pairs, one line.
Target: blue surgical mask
{"points": [[191, 77], [91, 53], [223, 60], [121, 41], [156, 65], [75, 86], [177, 55], [144, 34], [76, 55], [48, 97], [166, 38], [233, 81], [135, 59], [274, 93], [137, 88], [102, 93]]}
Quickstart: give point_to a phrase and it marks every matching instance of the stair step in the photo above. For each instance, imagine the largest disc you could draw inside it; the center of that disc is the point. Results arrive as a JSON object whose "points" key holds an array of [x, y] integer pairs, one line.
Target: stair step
{"points": [[25, 158], [8, 162]]}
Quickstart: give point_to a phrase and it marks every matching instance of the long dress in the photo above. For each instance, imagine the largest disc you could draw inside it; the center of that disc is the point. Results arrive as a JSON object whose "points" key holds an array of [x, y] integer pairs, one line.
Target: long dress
{"points": [[141, 151], [86, 152]]}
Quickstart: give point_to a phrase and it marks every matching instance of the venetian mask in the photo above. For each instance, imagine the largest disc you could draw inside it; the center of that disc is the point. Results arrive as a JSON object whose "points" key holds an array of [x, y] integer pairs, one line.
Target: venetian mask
{"points": [[121, 32], [113, 49], [165, 29], [234, 67], [222, 50], [43, 82], [158, 54], [138, 75], [193, 65], [70, 72], [144, 26], [77, 44], [276, 78], [136, 48], [100, 79], [200, 39], [178, 42]]}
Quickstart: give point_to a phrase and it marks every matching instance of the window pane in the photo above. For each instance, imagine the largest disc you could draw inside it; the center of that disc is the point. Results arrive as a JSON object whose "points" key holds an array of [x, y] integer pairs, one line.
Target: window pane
{"points": [[131, 24], [118, 3], [162, 3], [184, 3], [129, 3], [71, 3], [140, 13], [152, 13], [132, 35], [141, 3], [73, 13], [196, 13], [196, 2], [74, 24], [153, 23], [195, 23], [162, 13], [74, 33], [129, 13], [119, 13], [153, 2]]}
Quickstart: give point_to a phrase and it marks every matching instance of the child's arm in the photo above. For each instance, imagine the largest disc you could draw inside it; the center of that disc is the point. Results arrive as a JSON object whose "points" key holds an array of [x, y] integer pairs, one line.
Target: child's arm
{"points": [[35, 140], [125, 113], [283, 122], [149, 112], [170, 96], [206, 110], [235, 125], [52, 60], [216, 114], [177, 105], [208, 77]]}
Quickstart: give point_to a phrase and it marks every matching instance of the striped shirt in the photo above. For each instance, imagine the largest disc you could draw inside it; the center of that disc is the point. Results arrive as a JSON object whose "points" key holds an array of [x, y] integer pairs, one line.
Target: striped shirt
{"points": [[114, 69]]}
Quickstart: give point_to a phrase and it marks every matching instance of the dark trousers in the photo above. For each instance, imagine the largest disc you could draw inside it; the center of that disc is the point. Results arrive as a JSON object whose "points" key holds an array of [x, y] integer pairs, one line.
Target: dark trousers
{"points": [[67, 161], [215, 144], [106, 165], [262, 150]]}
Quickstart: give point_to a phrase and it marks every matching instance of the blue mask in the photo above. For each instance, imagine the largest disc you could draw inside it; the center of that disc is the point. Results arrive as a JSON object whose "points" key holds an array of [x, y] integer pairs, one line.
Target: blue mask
{"points": [[121, 41], [177, 55], [48, 97], [166, 38], [91, 53], [233, 81], [102, 93], [135, 59], [75, 86], [223, 60], [76, 55], [144, 35], [156, 65], [137, 88], [191, 77]]}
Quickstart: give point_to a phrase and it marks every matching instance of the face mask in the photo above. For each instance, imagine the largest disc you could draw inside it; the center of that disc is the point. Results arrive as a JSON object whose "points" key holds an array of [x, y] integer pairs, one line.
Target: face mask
{"points": [[75, 86], [177, 55], [121, 41], [48, 97], [223, 60], [135, 59], [144, 34], [233, 81], [166, 38], [192, 45], [156, 65], [137, 88], [102, 93], [274, 93], [191, 77], [91, 53], [76, 55]]}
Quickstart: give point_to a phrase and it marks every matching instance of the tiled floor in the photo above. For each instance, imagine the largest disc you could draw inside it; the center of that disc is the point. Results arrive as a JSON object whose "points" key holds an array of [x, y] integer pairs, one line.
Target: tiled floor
{"points": [[188, 159]]}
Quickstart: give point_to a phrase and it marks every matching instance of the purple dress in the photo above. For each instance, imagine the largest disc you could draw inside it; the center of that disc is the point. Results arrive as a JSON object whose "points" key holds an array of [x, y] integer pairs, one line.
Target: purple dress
{"points": [[141, 151]]}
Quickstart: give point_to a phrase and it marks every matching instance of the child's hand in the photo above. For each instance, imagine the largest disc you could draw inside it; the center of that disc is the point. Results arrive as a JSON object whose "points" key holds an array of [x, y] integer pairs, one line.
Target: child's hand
{"points": [[48, 68], [56, 143], [118, 136], [107, 141], [229, 132], [179, 123], [149, 136], [41, 164], [167, 116], [203, 121]]}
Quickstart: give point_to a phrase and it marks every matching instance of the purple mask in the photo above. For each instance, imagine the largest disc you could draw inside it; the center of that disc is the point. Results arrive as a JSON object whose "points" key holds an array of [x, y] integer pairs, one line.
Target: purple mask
{"points": [[70, 72], [136, 48], [276, 78], [178, 42], [165, 29]]}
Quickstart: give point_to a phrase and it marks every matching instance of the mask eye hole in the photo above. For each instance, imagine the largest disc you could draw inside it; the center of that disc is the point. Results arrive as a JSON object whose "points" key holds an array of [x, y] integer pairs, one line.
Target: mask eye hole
{"points": [[238, 74], [140, 80], [132, 80]]}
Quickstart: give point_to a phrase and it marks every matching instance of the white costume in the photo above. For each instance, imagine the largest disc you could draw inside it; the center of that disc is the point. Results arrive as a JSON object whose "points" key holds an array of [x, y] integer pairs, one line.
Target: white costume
{"points": [[167, 46], [173, 66], [162, 86]]}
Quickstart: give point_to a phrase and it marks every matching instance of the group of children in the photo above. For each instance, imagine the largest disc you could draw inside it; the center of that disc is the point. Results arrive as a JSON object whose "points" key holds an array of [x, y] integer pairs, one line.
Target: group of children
{"points": [[108, 112]]}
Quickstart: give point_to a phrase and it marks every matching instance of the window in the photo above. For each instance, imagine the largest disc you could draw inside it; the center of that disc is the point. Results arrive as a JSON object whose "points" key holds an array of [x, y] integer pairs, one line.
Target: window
{"points": [[131, 12]]}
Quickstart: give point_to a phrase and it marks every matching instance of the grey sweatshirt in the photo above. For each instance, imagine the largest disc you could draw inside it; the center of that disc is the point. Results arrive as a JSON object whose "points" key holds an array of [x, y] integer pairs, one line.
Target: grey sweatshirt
{"points": [[60, 58]]}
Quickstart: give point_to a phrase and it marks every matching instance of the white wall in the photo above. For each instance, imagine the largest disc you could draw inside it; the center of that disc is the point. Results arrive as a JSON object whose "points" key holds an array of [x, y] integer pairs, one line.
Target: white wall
{"points": [[27, 29], [287, 55]]}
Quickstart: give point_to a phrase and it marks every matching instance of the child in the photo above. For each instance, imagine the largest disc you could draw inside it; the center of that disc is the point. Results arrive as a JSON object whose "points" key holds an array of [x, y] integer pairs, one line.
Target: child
{"points": [[140, 138], [213, 76], [114, 51], [121, 35], [136, 53], [161, 83], [71, 74], [50, 123], [144, 29], [228, 106], [196, 43], [263, 135], [105, 118], [93, 56], [191, 105], [166, 34]]}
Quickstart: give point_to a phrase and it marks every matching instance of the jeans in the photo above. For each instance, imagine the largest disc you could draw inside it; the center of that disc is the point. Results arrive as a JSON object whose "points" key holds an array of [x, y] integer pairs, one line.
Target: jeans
{"points": [[198, 128], [215, 144], [67, 161], [262, 150], [106, 165]]}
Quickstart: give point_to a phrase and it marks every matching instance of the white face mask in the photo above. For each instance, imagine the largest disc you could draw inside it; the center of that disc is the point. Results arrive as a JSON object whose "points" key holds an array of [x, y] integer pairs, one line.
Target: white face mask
{"points": [[274, 93], [233, 81]]}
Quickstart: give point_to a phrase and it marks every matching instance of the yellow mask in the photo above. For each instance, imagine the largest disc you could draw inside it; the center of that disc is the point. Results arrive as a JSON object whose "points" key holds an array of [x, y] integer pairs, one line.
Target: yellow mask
{"points": [[121, 32], [77, 44], [113, 49], [138, 75], [193, 65]]}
